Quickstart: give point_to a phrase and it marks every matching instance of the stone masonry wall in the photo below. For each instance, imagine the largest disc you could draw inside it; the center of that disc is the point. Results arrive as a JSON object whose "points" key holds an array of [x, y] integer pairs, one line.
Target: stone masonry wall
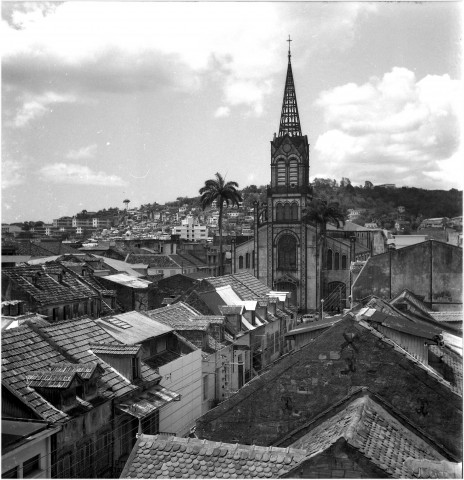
{"points": [[313, 379]]}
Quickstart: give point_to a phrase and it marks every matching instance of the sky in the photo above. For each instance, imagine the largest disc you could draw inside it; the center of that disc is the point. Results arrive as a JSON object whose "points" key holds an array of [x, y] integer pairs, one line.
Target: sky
{"points": [[103, 101]]}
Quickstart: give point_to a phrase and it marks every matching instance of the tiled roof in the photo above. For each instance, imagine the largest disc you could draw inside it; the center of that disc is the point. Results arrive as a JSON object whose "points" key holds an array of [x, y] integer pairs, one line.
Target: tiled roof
{"points": [[155, 261], [447, 316], [452, 361], [24, 351], [367, 427], [231, 309], [114, 349], [192, 259], [187, 261], [178, 312], [50, 379], [75, 337], [247, 286], [43, 249], [48, 290], [157, 456], [84, 370]]}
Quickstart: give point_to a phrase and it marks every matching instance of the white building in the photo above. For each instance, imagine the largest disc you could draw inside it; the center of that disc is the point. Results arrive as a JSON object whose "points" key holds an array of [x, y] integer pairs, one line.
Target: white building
{"points": [[191, 230]]}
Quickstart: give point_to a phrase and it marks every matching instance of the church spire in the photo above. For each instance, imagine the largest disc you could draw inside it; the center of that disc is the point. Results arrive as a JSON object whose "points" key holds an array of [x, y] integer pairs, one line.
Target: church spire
{"points": [[289, 118]]}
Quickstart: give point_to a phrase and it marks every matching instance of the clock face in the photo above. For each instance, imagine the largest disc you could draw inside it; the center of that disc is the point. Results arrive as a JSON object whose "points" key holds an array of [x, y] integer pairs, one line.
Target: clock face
{"points": [[286, 148]]}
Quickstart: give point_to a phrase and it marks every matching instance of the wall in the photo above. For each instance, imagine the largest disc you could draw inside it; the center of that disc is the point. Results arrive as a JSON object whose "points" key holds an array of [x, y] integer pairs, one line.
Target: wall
{"points": [[338, 461], [41, 445], [430, 269], [183, 376], [311, 380]]}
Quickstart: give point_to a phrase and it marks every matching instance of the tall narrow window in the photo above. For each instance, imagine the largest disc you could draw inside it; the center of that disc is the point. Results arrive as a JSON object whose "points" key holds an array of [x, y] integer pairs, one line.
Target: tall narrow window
{"points": [[329, 259], [279, 212], [240, 261], [293, 172], [247, 260], [294, 211], [337, 261], [287, 211], [281, 173], [343, 262], [253, 259], [286, 253]]}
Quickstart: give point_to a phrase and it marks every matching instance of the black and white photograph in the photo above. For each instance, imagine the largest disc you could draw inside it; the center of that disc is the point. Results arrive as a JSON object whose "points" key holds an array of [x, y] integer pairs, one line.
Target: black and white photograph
{"points": [[232, 239]]}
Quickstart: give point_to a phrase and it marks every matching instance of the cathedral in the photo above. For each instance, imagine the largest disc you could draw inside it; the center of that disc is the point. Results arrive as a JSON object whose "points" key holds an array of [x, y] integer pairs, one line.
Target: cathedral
{"points": [[284, 251]]}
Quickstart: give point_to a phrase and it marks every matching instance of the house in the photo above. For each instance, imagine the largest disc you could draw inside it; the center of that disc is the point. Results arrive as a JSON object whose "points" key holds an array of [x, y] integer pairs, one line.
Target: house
{"points": [[132, 293], [176, 359], [431, 270], [27, 448], [55, 291], [301, 386], [75, 375], [156, 264], [361, 437]]}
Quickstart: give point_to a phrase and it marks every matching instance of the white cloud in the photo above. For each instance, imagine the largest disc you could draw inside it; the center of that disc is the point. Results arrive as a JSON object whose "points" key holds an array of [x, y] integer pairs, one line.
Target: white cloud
{"points": [[11, 173], [75, 174], [127, 46], [222, 112], [38, 106], [391, 127], [83, 153]]}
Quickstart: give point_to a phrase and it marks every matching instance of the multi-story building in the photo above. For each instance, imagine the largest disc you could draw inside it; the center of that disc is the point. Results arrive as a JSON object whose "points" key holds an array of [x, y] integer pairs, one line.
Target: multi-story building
{"points": [[191, 230]]}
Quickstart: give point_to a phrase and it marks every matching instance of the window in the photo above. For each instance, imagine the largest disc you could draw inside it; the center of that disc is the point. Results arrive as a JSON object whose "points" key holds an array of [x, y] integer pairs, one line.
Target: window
{"points": [[343, 262], [31, 466], [253, 259], [286, 253], [63, 468], [84, 461], [293, 172], [12, 473], [279, 212], [161, 345], [329, 259], [337, 261], [240, 261], [150, 424], [135, 368], [247, 260], [75, 310], [281, 172], [56, 314], [294, 211], [287, 211]]}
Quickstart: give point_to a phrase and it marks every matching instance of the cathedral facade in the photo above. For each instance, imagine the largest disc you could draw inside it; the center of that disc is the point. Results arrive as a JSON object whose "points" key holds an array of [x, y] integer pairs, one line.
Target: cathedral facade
{"points": [[285, 247]]}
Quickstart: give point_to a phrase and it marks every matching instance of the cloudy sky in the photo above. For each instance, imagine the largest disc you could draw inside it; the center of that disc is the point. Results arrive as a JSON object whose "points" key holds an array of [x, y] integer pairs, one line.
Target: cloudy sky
{"points": [[104, 101]]}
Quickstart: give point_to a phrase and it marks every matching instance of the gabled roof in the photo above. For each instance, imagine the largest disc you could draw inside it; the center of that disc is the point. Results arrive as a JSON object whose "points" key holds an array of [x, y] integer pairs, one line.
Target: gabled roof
{"points": [[380, 437], [23, 351], [115, 349], [179, 311], [133, 327], [158, 456], [75, 338], [47, 290], [50, 379], [154, 261], [121, 266], [44, 249], [127, 280], [247, 286]]}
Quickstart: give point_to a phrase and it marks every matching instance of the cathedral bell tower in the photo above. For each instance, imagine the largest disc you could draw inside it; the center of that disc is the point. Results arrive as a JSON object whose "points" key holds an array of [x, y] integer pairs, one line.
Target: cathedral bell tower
{"points": [[289, 243]]}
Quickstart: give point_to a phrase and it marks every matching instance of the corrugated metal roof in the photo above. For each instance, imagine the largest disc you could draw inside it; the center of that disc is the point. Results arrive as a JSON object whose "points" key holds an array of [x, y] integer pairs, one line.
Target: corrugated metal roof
{"points": [[148, 401], [128, 280]]}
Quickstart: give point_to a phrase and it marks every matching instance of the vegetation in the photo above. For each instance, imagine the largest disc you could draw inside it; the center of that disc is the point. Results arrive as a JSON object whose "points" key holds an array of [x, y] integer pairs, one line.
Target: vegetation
{"points": [[320, 212], [217, 189]]}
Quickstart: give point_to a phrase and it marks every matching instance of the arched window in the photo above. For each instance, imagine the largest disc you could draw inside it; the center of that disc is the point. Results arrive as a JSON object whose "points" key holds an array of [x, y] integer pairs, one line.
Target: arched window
{"points": [[286, 253], [281, 172], [337, 261], [279, 212], [240, 261], [247, 260], [329, 259], [343, 262], [287, 211], [294, 211], [293, 172]]}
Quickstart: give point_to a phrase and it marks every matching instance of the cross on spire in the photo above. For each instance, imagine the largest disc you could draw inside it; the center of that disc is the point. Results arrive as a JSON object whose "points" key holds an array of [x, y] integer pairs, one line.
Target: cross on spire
{"points": [[289, 118]]}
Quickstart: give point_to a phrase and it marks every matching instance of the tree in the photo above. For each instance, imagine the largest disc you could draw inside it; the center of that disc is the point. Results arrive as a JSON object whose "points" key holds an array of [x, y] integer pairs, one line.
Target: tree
{"points": [[217, 189], [126, 202], [320, 212]]}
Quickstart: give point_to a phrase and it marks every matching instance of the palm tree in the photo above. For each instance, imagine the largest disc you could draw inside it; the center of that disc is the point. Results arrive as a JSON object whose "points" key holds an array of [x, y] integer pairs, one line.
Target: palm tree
{"points": [[321, 212], [126, 202], [217, 189]]}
